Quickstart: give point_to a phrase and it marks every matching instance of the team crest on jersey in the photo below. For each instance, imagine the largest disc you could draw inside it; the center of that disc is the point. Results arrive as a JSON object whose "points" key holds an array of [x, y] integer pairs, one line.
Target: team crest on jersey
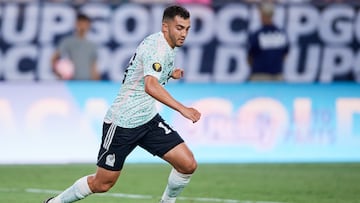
{"points": [[157, 67]]}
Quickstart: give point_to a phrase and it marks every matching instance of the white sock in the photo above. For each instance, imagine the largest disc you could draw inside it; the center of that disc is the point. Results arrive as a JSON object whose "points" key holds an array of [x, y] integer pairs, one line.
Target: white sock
{"points": [[79, 190], [176, 183]]}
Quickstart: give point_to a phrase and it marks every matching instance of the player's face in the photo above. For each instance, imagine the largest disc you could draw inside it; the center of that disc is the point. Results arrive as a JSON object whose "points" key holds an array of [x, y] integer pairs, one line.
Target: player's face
{"points": [[177, 30]]}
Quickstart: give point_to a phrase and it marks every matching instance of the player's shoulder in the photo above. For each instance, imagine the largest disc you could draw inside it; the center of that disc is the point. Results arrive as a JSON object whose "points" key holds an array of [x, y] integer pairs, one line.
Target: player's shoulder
{"points": [[150, 43], [153, 38]]}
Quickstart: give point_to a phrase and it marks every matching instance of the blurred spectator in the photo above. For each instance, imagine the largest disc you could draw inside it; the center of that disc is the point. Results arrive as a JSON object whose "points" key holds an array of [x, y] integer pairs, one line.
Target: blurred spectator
{"points": [[267, 47], [81, 52]]}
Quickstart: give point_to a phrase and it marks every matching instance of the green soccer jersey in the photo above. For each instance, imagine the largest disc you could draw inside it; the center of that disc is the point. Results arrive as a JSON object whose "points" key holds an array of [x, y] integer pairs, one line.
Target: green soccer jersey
{"points": [[132, 106]]}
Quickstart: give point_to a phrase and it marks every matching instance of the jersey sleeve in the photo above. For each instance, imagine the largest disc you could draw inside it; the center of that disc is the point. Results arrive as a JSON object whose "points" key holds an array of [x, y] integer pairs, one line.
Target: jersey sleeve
{"points": [[153, 59]]}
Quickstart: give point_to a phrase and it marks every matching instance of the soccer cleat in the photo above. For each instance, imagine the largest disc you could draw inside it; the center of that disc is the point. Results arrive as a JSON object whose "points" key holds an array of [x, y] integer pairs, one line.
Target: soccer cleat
{"points": [[48, 200]]}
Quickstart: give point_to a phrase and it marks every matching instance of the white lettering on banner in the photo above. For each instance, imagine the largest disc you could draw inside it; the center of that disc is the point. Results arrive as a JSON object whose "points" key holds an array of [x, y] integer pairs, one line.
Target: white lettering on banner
{"points": [[303, 20], [346, 108], [12, 61], [337, 61], [157, 14], [336, 26], [44, 70], [227, 14], [141, 23], [357, 27], [119, 62], [311, 59], [100, 28], [56, 19], [224, 56], [11, 21], [203, 33], [191, 61], [209, 51], [260, 122]]}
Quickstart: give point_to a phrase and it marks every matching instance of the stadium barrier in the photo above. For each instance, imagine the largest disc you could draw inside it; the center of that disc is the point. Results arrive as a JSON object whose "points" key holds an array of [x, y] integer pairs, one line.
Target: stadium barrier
{"points": [[60, 122]]}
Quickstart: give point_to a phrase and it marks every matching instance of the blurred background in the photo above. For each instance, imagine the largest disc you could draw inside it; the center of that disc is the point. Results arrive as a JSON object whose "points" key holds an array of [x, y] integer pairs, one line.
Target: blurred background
{"points": [[311, 114]]}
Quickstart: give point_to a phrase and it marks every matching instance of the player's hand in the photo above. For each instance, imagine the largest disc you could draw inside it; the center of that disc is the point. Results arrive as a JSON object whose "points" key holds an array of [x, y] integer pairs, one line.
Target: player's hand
{"points": [[177, 73], [192, 114]]}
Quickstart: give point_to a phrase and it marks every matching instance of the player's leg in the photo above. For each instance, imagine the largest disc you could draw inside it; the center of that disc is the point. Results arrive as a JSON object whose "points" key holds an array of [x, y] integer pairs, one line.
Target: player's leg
{"points": [[102, 180], [181, 158], [114, 149], [184, 165], [166, 143], [99, 182]]}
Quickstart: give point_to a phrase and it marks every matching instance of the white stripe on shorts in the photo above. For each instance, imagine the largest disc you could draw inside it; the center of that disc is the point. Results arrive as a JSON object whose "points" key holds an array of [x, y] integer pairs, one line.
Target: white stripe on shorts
{"points": [[109, 136]]}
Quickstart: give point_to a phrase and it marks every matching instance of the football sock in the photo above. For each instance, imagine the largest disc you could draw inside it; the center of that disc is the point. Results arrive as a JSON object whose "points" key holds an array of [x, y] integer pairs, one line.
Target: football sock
{"points": [[79, 190], [176, 183]]}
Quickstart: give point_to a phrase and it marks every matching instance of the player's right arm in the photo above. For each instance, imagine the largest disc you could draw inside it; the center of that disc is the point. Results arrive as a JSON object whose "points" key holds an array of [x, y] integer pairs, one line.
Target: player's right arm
{"points": [[157, 91]]}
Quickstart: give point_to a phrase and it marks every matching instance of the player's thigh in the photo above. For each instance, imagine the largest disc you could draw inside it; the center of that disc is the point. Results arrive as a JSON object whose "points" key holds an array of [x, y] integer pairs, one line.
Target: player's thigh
{"points": [[117, 143], [181, 158], [160, 137]]}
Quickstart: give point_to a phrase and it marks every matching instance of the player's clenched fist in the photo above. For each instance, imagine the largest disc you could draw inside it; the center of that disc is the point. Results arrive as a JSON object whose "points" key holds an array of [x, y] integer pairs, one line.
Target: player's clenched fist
{"points": [[177, 73], [191, 113]]}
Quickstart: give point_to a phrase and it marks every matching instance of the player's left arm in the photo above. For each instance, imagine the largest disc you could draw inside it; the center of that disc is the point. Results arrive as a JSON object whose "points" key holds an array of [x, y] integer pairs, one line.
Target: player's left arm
{"points": [[157, 91]]}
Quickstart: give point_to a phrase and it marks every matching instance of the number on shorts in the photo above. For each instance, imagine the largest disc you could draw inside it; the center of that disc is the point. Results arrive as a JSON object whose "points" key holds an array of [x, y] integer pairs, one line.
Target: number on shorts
{"points": [[167, 130]]}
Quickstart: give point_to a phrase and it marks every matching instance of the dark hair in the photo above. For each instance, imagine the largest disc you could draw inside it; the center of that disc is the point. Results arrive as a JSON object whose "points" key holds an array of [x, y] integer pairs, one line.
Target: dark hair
{"points": [[81, 16], [172, 11]]}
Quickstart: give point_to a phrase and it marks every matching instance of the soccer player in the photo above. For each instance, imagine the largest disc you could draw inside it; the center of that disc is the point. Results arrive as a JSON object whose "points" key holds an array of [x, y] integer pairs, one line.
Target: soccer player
{"points": [[132, 120]]}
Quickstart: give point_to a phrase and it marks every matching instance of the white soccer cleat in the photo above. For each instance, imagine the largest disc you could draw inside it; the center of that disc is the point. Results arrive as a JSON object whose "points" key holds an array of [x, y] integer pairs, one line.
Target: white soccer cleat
{"points": [[48, 200]]}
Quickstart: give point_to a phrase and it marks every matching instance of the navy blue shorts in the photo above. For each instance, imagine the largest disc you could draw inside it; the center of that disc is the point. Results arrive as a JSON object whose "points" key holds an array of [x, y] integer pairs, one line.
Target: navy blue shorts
{"points": [[155, 136]]}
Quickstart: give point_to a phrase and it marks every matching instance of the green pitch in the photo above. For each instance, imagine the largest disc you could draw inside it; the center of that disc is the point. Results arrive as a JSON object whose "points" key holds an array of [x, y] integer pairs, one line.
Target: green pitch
{"points": [[231, 183]]}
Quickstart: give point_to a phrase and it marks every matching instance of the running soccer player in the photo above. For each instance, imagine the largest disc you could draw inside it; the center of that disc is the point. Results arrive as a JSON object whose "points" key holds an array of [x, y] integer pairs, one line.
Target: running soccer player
{"points": [[132, 120]]}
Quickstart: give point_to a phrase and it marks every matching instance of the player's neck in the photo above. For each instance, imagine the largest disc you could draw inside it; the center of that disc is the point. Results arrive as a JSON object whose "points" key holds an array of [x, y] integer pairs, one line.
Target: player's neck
{"points": [[168, 40]]}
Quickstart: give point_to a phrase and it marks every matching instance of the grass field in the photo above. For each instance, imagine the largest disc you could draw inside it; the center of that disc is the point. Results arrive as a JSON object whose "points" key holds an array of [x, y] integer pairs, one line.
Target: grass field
{"points": [[232, 183]]}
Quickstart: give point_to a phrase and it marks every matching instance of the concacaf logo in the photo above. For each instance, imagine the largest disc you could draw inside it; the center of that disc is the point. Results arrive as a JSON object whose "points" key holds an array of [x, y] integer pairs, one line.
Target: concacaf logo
{"points": [[157, 67]]}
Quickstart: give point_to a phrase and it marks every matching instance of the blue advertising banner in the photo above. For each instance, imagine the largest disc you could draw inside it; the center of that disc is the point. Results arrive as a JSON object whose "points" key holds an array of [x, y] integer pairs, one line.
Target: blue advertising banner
{"points": [[56, 122], [325, 39]]}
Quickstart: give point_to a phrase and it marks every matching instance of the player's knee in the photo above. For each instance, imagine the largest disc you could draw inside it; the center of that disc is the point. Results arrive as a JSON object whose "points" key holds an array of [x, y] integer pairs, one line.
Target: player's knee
{"points": [[192, 167], [188, 168]]}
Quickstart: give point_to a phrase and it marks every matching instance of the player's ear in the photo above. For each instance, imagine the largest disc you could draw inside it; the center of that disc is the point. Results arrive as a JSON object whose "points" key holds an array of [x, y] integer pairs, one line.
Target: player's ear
{"points": [[164, 27]]}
